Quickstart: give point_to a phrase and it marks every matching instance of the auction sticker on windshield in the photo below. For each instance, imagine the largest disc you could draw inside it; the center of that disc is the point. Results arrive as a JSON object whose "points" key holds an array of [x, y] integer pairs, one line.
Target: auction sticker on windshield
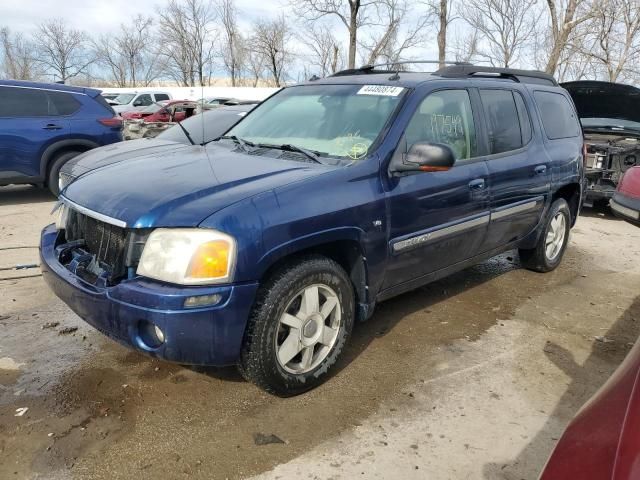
{"points": [[384, 90]]}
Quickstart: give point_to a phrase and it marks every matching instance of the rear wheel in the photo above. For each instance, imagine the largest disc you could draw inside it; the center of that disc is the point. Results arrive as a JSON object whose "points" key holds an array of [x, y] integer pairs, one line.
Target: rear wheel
{"points": [[54, 170], [548, 252], [302, 319]]}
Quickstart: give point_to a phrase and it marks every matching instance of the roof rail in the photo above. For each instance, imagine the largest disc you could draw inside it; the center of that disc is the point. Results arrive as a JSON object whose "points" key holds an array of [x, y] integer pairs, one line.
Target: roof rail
{"points": [[522, 76], [391, 67]]}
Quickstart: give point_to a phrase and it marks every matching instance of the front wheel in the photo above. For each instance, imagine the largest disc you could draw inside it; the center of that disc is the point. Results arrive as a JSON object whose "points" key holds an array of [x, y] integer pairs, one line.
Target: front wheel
{"points": [[548, 252], [299, 326]]}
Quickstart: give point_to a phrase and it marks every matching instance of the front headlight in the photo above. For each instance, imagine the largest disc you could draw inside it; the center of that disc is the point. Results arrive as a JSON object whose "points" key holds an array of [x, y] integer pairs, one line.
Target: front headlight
{"points": [[188, 256]]}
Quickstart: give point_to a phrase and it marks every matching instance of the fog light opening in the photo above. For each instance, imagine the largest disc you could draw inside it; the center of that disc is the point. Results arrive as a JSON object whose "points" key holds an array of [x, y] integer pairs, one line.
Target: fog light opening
{"points": [[150, 334], [202, 301]]}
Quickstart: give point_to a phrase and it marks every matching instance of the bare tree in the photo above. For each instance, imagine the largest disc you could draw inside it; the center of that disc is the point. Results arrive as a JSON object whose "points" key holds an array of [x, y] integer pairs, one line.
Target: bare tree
{"points": [[398, 34], [62, 51], [504, 27], [186, 38], [465, 46], [18, 57], [233, 46], [353, 14], [325, 52], [613, 37], [562, 26], [129, 54], [441, 13], [270, 40], [255, 66]]}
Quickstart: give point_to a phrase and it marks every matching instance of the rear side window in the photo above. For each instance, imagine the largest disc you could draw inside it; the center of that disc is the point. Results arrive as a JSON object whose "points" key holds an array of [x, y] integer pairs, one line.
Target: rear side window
{"points": [[558, 116], [502, 119], [62, 103], [161, 96]]}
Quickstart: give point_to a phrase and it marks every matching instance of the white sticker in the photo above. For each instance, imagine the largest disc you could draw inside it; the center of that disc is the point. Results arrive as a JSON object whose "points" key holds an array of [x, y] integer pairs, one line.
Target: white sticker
{"points": [[384, 90]]}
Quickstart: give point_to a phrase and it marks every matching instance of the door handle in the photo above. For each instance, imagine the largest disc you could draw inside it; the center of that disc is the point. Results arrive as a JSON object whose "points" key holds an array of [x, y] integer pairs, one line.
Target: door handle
{"points": [[477, 184], [51, 126], [540, 169]]}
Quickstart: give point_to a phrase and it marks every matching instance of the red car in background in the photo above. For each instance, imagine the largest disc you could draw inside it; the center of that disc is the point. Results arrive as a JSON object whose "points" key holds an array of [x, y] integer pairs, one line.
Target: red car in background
{"points": [[626, 200], [603, 441], [168, 111]]}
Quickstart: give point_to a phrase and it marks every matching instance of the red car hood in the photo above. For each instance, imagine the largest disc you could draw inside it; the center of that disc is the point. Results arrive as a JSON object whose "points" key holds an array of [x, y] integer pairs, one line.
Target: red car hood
{"points": [[630, 183], [603, 441]]}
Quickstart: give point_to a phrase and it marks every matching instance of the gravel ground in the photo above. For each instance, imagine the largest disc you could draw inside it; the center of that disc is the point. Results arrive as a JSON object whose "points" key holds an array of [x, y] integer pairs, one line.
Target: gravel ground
{"points": [[474, 376]]}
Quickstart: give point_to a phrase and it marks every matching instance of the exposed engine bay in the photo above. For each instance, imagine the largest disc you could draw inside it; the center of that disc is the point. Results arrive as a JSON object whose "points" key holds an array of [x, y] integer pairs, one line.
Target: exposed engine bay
{"points": [[608, 157]]}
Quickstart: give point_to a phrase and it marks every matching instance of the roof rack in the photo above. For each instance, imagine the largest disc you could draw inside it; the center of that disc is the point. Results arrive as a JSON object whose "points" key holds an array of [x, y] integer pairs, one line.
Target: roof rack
{"points": [[522, 76], [371, 69]]}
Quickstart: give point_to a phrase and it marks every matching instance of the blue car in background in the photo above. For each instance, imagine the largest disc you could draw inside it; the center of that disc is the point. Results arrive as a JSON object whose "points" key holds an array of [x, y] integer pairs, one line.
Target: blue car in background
{"points": [[262, 247], [42, 126]]}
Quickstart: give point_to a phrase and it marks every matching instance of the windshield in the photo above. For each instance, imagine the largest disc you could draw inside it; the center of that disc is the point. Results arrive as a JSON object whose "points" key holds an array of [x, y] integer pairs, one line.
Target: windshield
{"points": [[334, 120], [609, 123], [124, 98], [204, 127]]}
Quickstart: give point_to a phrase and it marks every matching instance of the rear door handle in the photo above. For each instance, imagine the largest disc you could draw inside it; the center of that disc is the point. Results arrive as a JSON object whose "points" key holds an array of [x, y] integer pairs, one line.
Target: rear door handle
{"points": [[540, 169], [52, 126], [477, 184]]}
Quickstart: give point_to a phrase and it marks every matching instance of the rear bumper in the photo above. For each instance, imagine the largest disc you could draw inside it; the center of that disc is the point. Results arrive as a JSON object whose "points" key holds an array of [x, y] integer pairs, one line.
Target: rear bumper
{"points": [[626, 207], [199, 336]]}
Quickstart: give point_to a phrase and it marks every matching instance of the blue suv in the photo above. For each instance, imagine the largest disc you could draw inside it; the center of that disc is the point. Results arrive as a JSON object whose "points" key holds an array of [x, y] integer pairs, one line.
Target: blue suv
{"points": [[42, 126], [262, 247]]}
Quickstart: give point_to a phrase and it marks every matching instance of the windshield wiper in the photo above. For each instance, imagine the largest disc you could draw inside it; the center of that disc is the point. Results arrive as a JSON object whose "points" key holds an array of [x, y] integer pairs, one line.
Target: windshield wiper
{"points": [[185, 131], [287, 147], [243, 143]]}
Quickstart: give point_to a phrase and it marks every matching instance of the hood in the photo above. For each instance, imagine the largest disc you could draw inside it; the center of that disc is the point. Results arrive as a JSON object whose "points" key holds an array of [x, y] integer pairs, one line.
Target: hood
{"points": [[605, 100], [183, 187], [117, 152]]}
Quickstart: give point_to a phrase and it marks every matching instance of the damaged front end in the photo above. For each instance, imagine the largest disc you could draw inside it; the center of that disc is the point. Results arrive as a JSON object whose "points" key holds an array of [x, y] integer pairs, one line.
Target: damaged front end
{"points": [[100, 253], [608, 157], [610, 116]]}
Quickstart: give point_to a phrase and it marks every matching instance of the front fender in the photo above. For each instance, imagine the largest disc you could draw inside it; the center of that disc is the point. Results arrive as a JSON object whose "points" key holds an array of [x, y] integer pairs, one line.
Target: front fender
{"points": [[310, 241]]}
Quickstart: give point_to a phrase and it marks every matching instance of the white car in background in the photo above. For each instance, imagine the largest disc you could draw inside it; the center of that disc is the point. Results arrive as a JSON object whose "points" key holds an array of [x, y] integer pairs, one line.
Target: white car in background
{"points": [[137, 100]]}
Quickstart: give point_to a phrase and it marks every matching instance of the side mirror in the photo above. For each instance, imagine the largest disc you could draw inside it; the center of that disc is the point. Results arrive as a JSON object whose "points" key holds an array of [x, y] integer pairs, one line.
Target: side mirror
{"points": [[424, 157]]}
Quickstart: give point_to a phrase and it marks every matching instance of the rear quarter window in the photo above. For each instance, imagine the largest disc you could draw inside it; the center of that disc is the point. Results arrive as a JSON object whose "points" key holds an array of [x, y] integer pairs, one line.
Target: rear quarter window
{"points": [[102, 101], [161, 96], [558, 115]]}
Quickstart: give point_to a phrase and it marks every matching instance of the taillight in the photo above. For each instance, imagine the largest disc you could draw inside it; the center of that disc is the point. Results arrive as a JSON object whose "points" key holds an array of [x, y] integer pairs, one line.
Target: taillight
{"points": [[114, 122]]}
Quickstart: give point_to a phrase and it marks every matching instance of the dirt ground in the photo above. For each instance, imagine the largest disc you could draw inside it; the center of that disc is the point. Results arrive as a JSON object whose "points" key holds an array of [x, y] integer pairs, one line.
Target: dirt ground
{"points": [[475, 376]]}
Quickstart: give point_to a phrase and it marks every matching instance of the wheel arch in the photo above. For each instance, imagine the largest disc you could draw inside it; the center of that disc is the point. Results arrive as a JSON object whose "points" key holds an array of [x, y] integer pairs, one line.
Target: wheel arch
{"points": [[342, 246], [571, 193], [62, 146]]}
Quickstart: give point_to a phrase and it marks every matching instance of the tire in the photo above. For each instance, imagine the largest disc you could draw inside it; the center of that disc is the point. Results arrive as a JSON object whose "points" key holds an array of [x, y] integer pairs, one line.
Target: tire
{"points": [[54, 170], [269, 342], [548, 252]]}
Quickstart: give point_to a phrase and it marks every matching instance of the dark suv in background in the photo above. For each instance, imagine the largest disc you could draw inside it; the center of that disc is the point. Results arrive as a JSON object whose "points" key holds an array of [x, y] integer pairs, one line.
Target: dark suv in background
{"points": [[263, 247], [42, 126]]}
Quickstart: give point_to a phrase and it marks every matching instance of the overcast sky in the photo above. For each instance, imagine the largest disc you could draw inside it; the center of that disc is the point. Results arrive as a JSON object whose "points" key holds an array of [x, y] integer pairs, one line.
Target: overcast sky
{"points": [[98, 17], [102, 16]]}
